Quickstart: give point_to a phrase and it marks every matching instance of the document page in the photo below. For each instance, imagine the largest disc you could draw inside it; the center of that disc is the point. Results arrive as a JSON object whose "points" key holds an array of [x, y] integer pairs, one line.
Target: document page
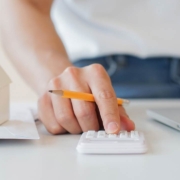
{"points": [[21, 124]]}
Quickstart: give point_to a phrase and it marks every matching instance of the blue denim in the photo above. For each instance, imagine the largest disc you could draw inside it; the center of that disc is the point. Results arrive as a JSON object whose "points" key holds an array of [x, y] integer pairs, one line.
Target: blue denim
{"points": [[132, 77]]}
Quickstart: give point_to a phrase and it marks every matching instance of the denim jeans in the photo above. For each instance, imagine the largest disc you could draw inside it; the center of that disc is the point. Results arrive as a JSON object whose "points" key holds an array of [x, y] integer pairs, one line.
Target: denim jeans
{"points": [[132, 77]]}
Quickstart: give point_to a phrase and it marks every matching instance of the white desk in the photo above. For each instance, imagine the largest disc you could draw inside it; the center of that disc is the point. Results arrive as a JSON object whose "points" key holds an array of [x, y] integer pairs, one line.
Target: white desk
{"points": [[55, 157]]}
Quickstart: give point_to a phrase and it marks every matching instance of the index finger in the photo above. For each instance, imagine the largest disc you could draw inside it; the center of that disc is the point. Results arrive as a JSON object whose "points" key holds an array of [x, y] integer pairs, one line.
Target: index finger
{"points": [[105, 98]]}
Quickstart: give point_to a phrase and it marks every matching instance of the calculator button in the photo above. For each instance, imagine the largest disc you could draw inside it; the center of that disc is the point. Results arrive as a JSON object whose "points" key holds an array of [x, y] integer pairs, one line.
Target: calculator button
{"points": [[134, 135], [101, 134], [90, 134], [112, 135], [123, 135]]}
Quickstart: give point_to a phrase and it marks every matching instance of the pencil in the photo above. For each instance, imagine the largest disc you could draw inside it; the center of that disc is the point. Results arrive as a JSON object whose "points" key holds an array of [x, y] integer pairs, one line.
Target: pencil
{"points": [[82, 96]]}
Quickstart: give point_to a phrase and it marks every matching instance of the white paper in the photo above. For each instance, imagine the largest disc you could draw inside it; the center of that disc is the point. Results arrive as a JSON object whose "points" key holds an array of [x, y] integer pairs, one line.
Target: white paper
{"points": [[21, 124]]}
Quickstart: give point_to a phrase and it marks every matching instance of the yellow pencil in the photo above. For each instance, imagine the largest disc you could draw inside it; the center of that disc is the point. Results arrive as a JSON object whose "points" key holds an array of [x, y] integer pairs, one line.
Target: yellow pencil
{"points": [[82, 96]]}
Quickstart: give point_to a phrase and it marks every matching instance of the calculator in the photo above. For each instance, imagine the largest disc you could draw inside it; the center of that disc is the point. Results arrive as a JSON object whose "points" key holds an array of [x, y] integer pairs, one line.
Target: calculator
{"points": [[99, 142]]}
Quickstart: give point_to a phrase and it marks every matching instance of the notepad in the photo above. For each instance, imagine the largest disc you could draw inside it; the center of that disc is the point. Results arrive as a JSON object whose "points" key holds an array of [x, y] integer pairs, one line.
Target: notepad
{"points": [[21, 124]]}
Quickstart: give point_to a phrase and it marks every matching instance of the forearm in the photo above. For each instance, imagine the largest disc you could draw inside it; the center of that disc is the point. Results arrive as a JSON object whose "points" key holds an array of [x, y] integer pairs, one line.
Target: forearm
{"points": [[31, 42]]}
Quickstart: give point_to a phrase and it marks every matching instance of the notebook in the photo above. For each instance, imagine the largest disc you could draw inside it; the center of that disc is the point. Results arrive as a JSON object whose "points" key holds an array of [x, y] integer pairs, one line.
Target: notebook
{"points": [[168, 116]]}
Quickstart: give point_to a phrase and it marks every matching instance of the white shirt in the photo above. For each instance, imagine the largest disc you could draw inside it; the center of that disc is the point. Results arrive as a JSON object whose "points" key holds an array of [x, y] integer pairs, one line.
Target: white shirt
{"points": [[91, 28]]}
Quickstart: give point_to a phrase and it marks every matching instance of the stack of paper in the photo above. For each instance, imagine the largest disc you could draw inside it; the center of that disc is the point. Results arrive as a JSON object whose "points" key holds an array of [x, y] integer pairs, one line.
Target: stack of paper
{"points": [[21, 124]]}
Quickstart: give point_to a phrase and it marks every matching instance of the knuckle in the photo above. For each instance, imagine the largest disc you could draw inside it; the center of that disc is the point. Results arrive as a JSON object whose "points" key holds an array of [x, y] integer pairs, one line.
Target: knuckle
{"points": [[54, 129], [54, 83], [84, 113], [98, 68], [66, 120], [109, 117], [63, 119], [71, 71], [105, 94], [44, 99]]}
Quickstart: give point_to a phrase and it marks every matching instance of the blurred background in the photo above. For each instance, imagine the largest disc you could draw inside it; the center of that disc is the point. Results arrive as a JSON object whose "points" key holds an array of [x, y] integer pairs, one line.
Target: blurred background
{"points": [[20, 91]]}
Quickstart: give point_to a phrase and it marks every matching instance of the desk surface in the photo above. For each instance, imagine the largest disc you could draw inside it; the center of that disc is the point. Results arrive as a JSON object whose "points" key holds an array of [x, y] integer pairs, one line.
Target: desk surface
{"points": [[56, 158]]}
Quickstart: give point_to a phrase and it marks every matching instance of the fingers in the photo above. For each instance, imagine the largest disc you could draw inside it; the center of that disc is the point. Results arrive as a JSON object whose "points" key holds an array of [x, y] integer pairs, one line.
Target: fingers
{"points": [[63, 110], [61, 115], [84, 111], [86, 115], [73, 115], [105, 98], [126, 122], [64, 114], [46, 115]]}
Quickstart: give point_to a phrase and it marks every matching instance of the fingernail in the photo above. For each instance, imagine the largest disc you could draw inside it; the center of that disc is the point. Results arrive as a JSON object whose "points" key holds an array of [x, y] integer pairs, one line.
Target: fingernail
{"points": [[112, 127]]}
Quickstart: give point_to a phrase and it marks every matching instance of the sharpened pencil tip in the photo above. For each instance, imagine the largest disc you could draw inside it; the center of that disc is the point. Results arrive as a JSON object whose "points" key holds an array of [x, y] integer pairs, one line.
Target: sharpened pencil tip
{"points": [[50, 91]]}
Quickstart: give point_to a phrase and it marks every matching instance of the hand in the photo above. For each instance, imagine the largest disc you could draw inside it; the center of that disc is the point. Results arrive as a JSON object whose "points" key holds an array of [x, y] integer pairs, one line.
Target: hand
{"points": [[61, 115]]}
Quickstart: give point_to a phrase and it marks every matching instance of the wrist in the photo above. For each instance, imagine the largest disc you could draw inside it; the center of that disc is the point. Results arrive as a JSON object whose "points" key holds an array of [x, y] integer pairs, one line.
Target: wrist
{"points": [[53, 64]]}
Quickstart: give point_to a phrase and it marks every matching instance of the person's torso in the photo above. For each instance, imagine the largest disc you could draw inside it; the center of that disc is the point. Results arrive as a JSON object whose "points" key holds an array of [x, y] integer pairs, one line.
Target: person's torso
{"points": [[91, 28]]}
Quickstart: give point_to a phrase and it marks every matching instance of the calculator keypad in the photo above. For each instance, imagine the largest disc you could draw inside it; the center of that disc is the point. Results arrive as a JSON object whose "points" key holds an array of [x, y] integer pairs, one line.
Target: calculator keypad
{"points": [[90, 134], [101, 134], [99, 142], [134, 135], [112, 135], [122, 135]]}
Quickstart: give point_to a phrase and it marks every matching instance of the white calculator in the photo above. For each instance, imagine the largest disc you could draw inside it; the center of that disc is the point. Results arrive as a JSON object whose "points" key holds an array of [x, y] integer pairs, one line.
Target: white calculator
{"points": [[93, 142]]}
